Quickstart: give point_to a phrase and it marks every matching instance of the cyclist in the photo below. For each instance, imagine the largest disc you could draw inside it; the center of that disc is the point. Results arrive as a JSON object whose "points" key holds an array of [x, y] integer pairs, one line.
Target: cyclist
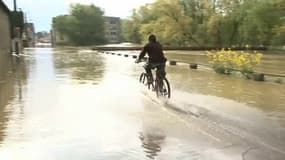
{"points": [[156, 58]]}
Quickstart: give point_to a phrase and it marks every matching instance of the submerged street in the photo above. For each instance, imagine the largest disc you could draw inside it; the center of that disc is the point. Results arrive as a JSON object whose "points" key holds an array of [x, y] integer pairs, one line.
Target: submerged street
{"points": [[71, 104]]}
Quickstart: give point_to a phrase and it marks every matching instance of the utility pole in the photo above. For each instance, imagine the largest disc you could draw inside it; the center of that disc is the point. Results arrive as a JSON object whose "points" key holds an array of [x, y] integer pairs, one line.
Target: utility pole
{"points": [[15, 5]]}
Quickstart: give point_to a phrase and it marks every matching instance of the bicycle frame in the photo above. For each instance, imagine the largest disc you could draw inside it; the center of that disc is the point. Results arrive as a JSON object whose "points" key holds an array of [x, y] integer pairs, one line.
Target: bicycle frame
{"points": [[157, 85]]}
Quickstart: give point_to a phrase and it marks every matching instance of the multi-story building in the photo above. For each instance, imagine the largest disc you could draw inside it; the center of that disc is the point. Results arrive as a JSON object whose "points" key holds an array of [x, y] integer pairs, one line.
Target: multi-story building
{"points": [[113, 29], [5, 30]]}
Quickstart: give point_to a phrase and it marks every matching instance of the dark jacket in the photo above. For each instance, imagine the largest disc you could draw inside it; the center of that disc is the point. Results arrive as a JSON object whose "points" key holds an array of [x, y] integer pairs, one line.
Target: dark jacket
{"points": [[154, 51]]}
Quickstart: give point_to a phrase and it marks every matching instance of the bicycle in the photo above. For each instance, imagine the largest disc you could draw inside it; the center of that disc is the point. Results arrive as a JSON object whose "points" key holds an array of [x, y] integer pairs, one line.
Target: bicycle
{"points": [[160, 86]]}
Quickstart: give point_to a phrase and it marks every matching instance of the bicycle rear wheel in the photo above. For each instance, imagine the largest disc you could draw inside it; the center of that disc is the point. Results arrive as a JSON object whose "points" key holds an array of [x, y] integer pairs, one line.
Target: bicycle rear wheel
{"points": [[163, 90]]}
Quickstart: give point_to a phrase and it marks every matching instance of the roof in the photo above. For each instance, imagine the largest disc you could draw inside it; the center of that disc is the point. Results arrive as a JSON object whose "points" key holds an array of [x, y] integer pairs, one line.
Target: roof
{"points": [[4, 7]]}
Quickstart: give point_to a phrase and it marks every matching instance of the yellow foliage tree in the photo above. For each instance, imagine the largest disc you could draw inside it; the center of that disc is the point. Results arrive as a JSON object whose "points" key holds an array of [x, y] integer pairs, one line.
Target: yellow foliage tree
{"points": [[171, 24]]}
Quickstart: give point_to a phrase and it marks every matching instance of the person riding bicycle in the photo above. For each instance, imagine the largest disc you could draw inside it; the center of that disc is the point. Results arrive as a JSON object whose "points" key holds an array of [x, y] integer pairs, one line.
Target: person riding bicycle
{"points": [[156, 58]]}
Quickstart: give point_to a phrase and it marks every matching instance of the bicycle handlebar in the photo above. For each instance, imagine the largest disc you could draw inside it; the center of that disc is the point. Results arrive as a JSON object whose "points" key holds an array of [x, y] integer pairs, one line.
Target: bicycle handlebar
{"points": [[141, 60]]}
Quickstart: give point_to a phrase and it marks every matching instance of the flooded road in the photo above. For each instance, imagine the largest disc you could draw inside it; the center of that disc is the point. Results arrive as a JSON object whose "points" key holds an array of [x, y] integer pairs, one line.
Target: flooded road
{"points": [[70, 104]]}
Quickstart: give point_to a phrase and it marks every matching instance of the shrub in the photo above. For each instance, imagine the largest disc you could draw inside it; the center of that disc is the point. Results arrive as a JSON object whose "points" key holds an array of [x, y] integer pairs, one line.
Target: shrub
{"points": [[225, 62]]}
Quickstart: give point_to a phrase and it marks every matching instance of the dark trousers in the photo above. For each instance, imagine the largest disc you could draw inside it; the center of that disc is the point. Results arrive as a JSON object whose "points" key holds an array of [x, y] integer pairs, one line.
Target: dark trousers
{"points": [[160, 70]]}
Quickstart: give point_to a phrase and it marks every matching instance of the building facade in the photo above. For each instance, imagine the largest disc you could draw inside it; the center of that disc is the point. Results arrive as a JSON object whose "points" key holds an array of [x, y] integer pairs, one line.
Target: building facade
{"points": [[113, 29], [58, 38], [5, 30]]}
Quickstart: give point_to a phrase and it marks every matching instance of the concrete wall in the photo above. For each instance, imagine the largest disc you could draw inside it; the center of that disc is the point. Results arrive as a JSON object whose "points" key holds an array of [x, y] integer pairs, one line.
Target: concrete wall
{"points": [[5, 37]]}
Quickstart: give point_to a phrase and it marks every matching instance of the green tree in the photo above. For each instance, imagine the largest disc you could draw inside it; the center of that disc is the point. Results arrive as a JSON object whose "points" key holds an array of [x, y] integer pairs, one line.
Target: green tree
{"points": [[131, 31], [258, 26], [83, 26], [279, 30]]}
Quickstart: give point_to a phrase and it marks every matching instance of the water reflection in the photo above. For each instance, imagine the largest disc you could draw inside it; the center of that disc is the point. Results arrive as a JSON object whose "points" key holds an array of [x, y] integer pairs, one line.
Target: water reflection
{"points": [[152, 135], [13, 80], [80, 65], [151, 143]]}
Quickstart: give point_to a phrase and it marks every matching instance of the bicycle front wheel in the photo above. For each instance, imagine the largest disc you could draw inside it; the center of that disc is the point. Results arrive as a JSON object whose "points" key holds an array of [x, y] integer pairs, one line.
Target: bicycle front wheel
{"points": [[163, 88]]}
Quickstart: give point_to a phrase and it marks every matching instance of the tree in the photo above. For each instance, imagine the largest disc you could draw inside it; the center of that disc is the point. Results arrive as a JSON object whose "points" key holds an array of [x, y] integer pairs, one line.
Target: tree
{"points": [[222, 23], [131, 31], [279, 30], [83, 26]]}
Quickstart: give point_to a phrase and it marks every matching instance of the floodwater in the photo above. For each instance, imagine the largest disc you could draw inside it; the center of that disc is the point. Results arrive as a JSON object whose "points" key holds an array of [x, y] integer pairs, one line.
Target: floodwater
{"points": [[70, 104]]}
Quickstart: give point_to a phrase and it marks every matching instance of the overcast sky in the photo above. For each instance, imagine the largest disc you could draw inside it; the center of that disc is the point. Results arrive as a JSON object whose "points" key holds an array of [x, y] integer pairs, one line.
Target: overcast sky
{"points": [[41, 11]]}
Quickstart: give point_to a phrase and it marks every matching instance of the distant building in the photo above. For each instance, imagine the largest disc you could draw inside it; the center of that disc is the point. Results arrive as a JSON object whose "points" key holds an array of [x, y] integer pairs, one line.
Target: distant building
{"points": [[5, 29], [43, 37], [113, 29], [29, 35], [58, 38]]}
